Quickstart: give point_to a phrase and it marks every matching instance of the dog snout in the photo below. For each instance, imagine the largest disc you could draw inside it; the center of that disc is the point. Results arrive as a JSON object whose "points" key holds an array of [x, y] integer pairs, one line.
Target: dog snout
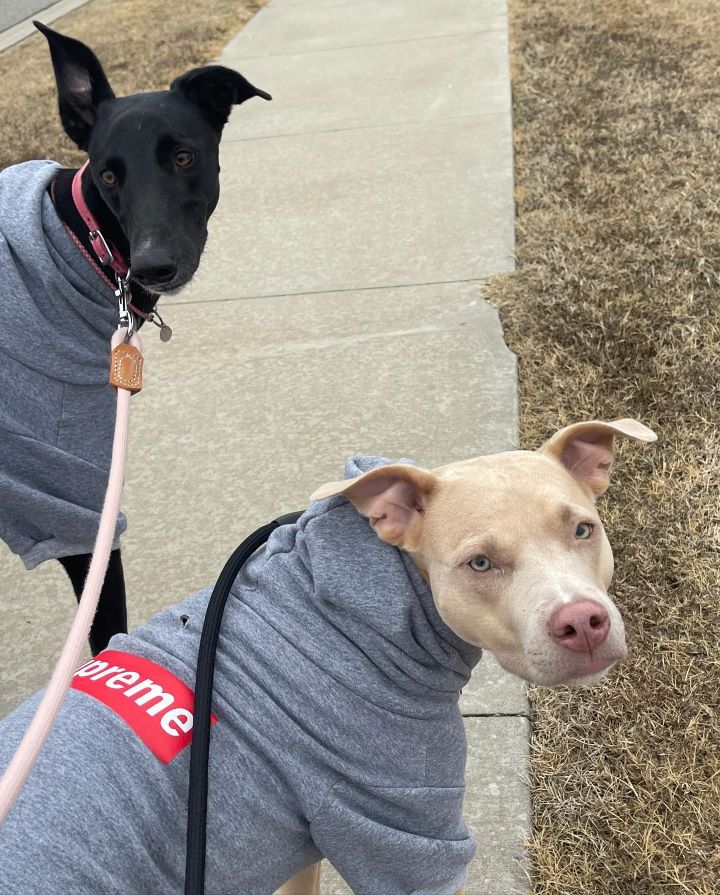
{"points": [[581, 626], [153, 268]]}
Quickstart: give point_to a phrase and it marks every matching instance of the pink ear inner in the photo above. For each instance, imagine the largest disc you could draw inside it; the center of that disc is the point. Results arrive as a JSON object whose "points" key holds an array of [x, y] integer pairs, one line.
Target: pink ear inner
{"points": [[589, 460], [394, 507]]}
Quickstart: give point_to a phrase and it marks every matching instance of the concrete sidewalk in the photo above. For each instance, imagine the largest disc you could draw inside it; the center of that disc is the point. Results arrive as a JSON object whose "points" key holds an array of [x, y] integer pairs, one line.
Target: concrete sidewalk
{"points": [[337, 311]]}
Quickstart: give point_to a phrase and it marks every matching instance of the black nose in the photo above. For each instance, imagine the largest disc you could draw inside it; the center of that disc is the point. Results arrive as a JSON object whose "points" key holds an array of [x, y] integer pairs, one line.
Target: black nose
{"points": [[153, 269]]}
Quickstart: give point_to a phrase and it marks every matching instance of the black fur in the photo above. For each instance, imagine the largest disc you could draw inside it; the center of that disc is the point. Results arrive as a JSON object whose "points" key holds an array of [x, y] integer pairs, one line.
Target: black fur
{"points": [[162, 150], [156, 213], [111, 615]]}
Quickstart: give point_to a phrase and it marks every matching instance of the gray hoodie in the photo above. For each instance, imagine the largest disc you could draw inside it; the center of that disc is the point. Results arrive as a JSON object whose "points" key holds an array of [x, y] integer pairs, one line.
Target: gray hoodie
{"points": [[57, 411], [338, 735]]}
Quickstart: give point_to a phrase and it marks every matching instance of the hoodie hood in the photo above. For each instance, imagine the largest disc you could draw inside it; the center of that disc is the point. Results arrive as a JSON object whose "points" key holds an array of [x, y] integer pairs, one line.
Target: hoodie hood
{"points": [[376, 603], [50, 294]]}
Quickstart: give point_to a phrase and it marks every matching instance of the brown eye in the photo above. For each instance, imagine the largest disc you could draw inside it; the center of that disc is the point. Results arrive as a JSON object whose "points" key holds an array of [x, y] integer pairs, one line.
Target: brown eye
{"points": [[108, 178], [183, 158]]}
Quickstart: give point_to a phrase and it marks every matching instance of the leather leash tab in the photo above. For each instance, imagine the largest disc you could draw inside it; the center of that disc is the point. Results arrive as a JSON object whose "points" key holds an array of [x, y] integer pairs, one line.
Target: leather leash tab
{"points": [[126, 365]]}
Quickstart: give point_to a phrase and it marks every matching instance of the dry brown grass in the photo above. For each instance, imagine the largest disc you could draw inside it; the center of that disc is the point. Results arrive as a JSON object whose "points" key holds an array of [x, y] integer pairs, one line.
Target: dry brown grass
{"points": [[142, 44], [614, 311]]}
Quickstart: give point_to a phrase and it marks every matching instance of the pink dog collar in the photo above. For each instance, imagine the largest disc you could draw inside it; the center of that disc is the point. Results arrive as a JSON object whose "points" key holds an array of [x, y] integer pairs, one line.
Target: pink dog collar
{"points": [[106, 252]]}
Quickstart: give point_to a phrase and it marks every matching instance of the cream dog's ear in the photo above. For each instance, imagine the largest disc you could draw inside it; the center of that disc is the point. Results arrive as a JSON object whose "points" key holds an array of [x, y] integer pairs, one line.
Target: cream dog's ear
{"points": [[392, 497], [586, 450]]}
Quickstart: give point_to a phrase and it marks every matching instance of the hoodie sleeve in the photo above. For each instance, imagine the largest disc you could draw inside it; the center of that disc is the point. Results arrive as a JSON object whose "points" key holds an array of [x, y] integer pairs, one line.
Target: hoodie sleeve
{"points": [[395, 841]]}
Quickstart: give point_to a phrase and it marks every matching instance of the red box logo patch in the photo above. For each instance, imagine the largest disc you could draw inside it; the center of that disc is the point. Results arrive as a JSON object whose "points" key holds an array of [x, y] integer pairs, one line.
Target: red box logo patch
{"points": [[157, 705]]}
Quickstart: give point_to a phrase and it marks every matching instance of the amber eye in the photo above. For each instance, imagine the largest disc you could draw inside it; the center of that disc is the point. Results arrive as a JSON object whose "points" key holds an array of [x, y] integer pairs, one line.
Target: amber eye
{"points": [[183, 158], [584, 530], [480, 563], [108, 178]]}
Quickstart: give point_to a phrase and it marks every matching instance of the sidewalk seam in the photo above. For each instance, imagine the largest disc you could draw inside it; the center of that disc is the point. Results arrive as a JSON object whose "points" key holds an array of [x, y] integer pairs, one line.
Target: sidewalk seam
{"points": [[381, 43], [498, 715], [367, 127], [338, 291]]}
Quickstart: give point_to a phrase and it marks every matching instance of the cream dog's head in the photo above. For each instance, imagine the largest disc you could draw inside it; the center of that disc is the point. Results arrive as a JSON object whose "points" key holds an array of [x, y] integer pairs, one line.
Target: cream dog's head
{"points": [[513, 548]]}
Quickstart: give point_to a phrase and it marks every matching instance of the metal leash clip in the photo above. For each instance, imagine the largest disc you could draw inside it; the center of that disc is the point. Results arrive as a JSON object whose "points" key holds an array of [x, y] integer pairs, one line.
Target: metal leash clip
{"points": [[126, 318]]}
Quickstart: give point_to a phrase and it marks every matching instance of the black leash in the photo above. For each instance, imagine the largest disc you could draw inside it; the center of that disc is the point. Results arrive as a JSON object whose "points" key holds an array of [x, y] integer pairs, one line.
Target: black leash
{"points": [[200, 746]]}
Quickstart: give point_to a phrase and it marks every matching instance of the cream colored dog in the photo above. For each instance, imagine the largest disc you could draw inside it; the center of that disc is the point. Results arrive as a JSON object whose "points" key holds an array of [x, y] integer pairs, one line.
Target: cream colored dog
{"points": [[514, 551]]}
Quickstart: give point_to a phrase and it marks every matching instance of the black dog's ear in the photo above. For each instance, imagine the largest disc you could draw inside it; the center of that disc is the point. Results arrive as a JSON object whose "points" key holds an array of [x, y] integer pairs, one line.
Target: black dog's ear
{"points": [[81, 84], [215, 90]]}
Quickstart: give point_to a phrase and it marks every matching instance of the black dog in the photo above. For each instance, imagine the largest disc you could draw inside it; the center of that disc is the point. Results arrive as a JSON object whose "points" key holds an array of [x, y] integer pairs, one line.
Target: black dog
{"points": [[151, 184]]}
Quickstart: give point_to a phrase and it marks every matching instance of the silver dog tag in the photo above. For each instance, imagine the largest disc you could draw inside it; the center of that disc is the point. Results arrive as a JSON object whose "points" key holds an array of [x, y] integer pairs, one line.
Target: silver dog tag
{"points": [[165, 331]]}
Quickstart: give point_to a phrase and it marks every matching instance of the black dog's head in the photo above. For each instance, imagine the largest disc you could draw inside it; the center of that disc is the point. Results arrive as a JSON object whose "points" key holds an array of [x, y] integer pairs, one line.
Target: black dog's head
{"points": [[153, 156]]}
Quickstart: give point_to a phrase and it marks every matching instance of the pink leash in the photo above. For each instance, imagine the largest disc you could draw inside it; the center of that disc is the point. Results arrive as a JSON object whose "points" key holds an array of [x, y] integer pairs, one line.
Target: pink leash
{"points": [[22, 762]]}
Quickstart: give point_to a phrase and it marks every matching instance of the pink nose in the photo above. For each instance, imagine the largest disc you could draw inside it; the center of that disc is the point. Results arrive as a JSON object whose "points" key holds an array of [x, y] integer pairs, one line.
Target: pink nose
{"points": [[581, 626]]}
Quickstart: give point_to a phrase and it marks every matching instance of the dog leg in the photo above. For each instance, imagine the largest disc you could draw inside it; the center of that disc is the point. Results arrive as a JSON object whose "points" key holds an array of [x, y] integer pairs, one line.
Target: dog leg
{"points": [[111, 615], [306, 882]]}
